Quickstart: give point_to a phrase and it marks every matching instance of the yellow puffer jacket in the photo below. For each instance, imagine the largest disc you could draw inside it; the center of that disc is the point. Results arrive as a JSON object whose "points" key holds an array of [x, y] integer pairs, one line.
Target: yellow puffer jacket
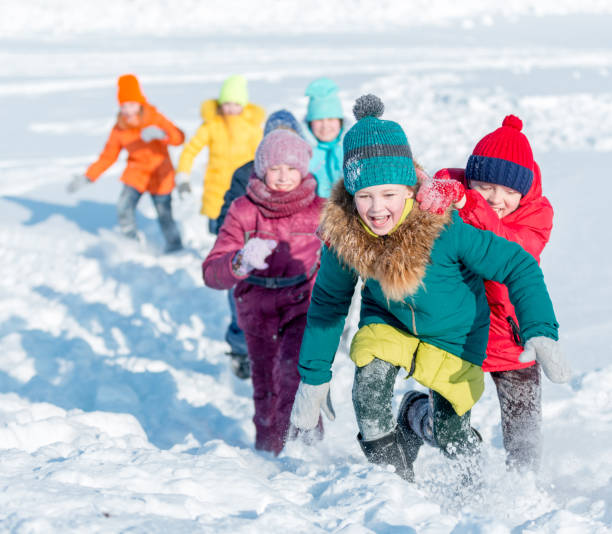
{"points": [[231, 140]]}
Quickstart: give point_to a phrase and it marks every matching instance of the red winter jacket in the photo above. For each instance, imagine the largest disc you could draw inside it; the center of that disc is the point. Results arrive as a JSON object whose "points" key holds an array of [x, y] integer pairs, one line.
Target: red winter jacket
{"points": [[296, 254], [529, 226]]}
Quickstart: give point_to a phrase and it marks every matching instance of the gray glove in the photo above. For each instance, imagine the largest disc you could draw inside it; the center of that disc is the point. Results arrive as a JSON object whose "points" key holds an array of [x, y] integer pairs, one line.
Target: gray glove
{"points": [[182, 184], [309, 402], [78, 182], [151, 133], [547, 352], [184, 190]]}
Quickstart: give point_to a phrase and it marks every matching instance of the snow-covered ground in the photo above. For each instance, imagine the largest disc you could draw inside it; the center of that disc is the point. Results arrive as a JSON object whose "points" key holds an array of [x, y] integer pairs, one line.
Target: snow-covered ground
{"points": [[118, 412]]}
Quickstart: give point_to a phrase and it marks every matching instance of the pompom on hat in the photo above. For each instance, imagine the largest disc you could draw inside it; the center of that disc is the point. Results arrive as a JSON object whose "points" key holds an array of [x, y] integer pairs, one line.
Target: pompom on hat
{"points": [[128, 90], [376, 151], [234, 89], [280, 147], [503, 157]]}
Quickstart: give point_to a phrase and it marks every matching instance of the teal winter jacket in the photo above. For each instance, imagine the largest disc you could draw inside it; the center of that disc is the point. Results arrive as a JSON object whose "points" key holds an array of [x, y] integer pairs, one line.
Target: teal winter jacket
{"points": [[326, 162], [437, 264]]}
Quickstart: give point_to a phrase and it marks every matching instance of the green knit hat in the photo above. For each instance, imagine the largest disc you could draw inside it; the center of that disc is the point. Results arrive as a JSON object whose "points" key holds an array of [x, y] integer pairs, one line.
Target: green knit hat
{"points": [[234, 89], [375, 151]]}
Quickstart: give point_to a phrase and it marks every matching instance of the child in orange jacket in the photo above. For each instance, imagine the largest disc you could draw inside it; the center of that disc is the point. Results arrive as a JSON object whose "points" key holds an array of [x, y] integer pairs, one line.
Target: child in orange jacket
{"points": [[145, 134], [231, 129]]}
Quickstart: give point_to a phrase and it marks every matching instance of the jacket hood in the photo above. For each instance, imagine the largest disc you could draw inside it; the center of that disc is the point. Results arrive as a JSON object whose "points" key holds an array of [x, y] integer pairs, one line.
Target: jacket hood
{"points": [[535, 191], [251, 112], [397, 261]]}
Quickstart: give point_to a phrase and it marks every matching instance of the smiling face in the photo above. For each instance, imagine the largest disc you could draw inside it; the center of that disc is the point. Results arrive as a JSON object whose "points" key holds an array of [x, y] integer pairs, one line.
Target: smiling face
{"points": [[503, 200], [282, 177], [231, 108], [381, 206], [130, 111], [325, 129]]}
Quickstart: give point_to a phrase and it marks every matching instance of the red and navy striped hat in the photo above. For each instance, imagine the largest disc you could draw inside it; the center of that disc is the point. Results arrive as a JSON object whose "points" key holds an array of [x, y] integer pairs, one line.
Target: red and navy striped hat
{"points": [[503, 157]]}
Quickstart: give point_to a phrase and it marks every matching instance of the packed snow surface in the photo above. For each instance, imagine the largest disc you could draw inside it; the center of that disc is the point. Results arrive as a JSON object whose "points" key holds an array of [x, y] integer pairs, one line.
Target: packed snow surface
{"points": [[118, 410]]}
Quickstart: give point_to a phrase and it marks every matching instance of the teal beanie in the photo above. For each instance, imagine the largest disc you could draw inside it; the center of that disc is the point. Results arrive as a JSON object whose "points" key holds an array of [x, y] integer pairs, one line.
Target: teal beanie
{"points": [[376, 151], [324, 101]]}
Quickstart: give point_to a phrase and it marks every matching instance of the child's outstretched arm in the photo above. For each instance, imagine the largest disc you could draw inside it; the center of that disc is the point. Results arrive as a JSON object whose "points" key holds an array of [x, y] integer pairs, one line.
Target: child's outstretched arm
{"points": [[162, 129], [174, 135], [109, 155], [495, 258], [192, 148], [329, 304], [530, 227], [217, 268]]}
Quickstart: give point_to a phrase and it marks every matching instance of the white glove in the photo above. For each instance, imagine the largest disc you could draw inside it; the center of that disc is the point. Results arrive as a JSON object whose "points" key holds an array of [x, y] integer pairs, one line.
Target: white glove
{"points": [[78, 182], [547, 352], [309, 402], [151, 133], [253, 255]]}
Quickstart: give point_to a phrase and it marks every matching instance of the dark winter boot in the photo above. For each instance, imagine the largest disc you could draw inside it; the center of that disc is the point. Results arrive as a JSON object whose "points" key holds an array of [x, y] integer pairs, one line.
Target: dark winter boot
{"points": [[403, 421], [240, 365], [391, 449]]}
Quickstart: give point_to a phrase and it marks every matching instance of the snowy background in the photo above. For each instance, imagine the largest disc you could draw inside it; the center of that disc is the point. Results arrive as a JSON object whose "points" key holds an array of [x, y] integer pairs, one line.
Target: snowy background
{"points": [[118, 412]]}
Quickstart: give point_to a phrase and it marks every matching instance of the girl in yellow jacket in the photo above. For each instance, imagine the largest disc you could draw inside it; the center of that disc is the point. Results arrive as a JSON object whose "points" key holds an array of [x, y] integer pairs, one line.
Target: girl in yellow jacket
{"points": [[231, 129]]}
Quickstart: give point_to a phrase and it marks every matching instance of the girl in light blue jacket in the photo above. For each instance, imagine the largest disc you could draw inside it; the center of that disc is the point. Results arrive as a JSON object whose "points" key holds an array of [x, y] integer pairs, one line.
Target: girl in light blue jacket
{"points": [[325, 120]]}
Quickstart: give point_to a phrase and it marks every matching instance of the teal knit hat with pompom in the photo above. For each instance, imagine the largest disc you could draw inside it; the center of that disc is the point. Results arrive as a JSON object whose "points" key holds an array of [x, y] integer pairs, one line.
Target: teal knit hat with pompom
{"points": [[376, 151]]}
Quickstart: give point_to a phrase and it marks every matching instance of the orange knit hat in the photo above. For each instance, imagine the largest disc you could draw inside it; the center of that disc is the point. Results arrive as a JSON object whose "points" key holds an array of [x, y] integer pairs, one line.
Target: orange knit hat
{"points": [[129, 89]]}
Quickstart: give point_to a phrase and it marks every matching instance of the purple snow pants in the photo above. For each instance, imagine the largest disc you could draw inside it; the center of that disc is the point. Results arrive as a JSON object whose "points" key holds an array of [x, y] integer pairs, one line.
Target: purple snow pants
{"points": [[273, 324]]}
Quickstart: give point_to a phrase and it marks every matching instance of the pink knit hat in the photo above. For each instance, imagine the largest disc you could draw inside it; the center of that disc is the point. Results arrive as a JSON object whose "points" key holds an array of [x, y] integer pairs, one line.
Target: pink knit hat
{"points": [[282, 147]]}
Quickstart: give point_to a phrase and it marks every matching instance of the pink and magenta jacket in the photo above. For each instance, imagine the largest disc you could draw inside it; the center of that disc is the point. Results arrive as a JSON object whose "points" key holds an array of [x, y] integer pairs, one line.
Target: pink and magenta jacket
{"points": [[291, 218], [529, 226]]}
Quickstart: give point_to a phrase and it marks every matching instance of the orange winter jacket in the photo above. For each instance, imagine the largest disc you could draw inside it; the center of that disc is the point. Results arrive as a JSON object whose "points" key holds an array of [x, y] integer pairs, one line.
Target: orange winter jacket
{"points": [[231, 140], [149, 167]]}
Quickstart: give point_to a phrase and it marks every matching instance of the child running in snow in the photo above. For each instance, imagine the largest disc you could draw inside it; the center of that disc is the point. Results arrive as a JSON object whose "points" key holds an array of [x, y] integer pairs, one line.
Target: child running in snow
{"points": [[145, 134], [324, 118], [504, 195], [423, 303], [231, 129], [234, 334], [268, 249]]}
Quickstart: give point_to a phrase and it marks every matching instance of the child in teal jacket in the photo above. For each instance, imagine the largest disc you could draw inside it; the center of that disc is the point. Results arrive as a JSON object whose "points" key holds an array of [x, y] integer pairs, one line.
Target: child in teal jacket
{"points": [[325, 124], [423, 301]]}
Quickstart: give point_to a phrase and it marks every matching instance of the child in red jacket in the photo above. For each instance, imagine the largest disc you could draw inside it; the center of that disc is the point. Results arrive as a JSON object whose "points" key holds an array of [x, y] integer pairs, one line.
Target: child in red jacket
{"points": [[504, 196], [268, 249], [145, 133]]}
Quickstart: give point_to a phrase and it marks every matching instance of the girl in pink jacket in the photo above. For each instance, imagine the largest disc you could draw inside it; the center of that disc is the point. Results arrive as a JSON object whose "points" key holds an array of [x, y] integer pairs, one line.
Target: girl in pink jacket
{"points": [[268, 249]]}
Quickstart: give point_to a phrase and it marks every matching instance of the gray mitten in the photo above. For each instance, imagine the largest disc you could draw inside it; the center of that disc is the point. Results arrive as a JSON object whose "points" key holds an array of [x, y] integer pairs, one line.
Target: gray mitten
{"points": [[184, 190], [182, 184], [151, 133], [309, 402], [78, 182], [547, 352]]}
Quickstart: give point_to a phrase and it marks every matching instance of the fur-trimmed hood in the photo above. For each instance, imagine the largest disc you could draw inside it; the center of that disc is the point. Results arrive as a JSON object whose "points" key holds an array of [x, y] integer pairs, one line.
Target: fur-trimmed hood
{"points": [[397, 261]]}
